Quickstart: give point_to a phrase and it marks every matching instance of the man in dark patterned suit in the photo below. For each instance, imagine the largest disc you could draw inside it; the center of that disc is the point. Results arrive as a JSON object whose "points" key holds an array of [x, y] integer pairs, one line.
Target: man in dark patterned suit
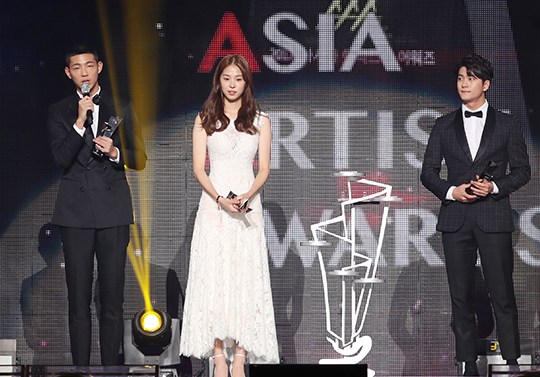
{"points": [[475, 213], [93, 207]]}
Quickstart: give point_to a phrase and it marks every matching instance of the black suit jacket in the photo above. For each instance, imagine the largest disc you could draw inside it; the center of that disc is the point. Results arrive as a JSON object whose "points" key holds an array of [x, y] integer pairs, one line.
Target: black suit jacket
{"points": [[502, 142], [94, 192]]}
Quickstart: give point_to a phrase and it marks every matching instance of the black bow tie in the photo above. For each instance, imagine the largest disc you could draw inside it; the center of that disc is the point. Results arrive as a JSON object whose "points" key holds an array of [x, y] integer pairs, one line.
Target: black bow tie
{"points": [[469, 114], [96, 99]]}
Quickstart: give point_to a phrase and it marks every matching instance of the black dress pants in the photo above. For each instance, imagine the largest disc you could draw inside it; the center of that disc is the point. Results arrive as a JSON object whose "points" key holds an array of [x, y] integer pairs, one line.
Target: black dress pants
{"points": [[497, 259], [109, 245]]}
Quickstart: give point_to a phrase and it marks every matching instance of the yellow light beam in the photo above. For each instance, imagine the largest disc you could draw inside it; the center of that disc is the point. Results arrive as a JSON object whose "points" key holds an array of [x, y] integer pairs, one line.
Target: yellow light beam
{"points": [[143, 50]]}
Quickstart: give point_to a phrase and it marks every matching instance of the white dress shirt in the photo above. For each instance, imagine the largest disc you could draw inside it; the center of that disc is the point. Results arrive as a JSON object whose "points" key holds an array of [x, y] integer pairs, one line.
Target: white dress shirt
{"points": [[474, 127], [95, 124]]}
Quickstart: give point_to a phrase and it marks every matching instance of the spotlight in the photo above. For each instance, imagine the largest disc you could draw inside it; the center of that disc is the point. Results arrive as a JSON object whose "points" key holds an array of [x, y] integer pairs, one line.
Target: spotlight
{"points": [[152, 338], [151, 321], [152, 331]]}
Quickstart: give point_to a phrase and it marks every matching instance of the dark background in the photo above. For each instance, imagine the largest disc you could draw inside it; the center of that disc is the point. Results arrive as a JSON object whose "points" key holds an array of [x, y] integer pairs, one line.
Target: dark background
{"points": [[34, 37]]}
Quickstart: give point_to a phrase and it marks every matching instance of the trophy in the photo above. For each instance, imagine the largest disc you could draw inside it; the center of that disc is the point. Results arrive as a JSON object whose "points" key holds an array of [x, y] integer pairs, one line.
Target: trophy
{"points": [[357, 278], [487, 174], [107, 131]]}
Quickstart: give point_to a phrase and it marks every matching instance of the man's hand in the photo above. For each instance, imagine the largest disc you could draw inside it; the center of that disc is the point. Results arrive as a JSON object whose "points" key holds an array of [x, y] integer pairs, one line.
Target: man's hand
{"points": [[481, 187], [105, 144], [461, 195], [86, 103]]}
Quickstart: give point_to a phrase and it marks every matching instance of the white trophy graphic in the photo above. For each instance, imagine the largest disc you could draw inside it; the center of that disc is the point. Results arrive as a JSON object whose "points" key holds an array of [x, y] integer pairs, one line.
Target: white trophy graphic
{"points": [[357, 278]]}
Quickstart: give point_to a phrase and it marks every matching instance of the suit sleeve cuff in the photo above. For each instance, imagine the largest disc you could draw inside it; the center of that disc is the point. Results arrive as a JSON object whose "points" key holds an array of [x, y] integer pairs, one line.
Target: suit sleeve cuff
{"points": [[495, 189], [449, 193], [117, 160], [78, 130]]}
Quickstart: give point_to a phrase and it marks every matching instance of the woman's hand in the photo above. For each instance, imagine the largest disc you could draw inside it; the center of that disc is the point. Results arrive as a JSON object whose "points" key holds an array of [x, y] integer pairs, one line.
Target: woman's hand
{"points": [[230, 205], [242, 198]]}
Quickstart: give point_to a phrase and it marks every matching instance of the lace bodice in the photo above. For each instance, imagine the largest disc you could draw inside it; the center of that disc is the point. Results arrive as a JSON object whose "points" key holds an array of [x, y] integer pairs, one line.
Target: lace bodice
{"points": [[231, 159]]}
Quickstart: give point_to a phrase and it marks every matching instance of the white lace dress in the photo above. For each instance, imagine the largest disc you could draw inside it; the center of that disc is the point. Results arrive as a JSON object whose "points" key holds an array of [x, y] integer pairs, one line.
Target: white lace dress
{"points": [[228, 294]]}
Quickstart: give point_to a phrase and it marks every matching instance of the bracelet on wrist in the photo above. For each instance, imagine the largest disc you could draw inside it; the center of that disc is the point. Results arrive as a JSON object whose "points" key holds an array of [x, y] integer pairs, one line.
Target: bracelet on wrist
{"points": [[217, 199]]}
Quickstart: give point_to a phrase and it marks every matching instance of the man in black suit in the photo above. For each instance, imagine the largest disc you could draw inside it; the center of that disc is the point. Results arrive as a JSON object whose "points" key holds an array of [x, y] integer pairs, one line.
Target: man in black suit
{"points": [[475, 213], [93, 207]]}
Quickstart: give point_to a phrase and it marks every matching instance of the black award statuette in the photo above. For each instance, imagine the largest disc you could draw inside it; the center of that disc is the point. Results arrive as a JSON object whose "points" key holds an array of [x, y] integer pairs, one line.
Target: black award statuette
{"points": [[486, 174], [107, 131]]}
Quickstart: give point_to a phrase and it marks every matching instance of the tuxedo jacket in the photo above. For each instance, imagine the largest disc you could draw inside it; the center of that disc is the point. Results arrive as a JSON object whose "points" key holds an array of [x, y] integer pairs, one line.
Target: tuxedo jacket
{"points": [[502, 142], [94, 192]]}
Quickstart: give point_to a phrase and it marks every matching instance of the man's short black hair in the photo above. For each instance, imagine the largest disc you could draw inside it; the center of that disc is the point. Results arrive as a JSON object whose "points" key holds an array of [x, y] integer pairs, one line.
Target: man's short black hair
{"points": [[79, 50], [477, 66]]}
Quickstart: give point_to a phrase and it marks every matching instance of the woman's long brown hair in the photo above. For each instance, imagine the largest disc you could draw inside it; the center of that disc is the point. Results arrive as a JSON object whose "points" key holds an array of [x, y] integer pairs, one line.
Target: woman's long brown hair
{"points": [[213, 109]]}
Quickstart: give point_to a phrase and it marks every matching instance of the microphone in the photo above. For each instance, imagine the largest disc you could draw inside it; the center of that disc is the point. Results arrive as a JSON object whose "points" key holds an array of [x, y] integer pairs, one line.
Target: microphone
{"points": [[85, 89]]}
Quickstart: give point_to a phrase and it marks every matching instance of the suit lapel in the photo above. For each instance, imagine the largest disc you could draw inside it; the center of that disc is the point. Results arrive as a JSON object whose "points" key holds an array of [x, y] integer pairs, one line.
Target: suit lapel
{"points": [[88, 137], [460, 134], [489, 128], [105, 111], [71, 111]]}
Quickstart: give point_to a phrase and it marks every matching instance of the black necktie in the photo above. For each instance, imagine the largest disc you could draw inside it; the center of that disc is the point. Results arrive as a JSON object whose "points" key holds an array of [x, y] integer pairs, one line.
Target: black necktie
{"points": [[469, 114]]}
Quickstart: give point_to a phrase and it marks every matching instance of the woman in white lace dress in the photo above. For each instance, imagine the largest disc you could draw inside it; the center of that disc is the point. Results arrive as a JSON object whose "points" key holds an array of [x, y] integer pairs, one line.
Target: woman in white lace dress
{"points": [[228, 312]]}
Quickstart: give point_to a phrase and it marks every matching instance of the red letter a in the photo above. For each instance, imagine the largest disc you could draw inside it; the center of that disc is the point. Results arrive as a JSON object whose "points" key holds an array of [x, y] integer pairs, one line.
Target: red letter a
{"points": [[228, 29]]}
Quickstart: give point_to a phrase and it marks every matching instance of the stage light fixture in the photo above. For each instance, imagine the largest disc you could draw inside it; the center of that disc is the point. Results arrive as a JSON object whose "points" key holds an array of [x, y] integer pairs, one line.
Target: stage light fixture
{"points": [[151, 330], [152, 338]]}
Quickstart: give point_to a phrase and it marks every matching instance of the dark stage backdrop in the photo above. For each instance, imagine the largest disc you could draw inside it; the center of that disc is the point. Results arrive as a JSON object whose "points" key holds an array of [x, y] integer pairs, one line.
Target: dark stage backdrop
{"points": [[348, 85]]}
